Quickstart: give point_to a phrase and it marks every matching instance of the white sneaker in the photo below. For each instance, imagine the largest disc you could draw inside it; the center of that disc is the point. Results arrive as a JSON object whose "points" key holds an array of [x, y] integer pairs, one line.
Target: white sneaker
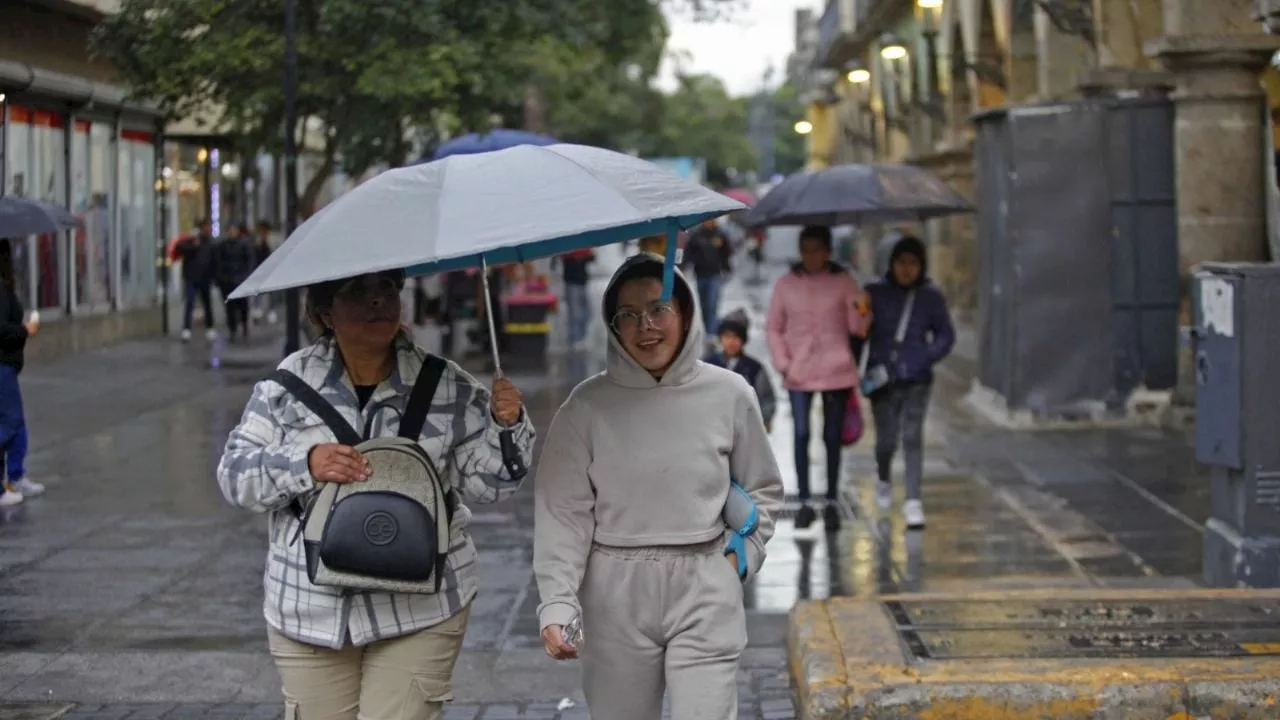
{"points": [[186, 336], [10, 497], [210, 334], [28, 487], [884, 495], [913, 511]]}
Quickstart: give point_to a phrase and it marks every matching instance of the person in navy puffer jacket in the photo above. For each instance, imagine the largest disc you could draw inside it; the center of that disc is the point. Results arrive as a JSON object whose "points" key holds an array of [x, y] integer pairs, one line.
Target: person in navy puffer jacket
{"points": [[908, 349]]}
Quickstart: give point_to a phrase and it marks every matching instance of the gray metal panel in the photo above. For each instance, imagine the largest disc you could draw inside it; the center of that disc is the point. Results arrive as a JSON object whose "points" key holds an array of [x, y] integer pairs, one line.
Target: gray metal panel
{"points": [[1145, 268], [992, 192], [1218, 365], [1061, 239]]}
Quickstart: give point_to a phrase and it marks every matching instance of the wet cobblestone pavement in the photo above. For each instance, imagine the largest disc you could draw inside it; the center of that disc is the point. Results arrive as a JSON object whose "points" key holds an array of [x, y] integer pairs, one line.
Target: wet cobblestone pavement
{"points": [[132, 591]]}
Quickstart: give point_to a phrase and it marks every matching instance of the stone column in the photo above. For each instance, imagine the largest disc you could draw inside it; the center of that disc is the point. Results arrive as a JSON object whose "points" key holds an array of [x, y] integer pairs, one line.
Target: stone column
{"points": [[1021, 67], [1122, 29], [1063, 58], [1219, 145]]}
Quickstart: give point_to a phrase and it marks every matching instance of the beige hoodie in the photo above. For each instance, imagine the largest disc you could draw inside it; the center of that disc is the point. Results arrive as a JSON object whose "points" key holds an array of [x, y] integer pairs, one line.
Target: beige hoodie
{"points": [[631, 461]]}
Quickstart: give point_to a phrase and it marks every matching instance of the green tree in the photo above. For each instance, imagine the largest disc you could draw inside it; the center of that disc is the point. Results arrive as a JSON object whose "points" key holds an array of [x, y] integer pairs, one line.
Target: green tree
{"points": [[701, 119], [788, 146]]}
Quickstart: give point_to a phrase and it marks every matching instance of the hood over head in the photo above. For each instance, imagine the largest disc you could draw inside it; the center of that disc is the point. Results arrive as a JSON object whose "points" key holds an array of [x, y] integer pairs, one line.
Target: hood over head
{"points": [[910, 244], [620, 366]]}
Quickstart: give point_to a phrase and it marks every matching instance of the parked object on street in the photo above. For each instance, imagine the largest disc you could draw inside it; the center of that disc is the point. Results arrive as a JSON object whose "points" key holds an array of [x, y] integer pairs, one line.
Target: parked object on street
{"points": [[14, 332], [401, 646], [854, 194], [813, 312], [632, 507], [911, 331], [20, 217]]}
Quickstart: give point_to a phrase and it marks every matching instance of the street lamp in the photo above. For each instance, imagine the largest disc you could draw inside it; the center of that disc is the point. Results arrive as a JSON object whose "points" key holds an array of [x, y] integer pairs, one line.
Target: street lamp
{"points": [[931, 12], [292, 300], [891, 49], [803, 127]]}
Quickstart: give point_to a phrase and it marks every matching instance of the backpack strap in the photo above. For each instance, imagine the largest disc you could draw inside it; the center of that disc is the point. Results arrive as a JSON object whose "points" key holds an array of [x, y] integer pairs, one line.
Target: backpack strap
{"points": [[415, 415], [311, 398], [424, 391], [314, 402]]}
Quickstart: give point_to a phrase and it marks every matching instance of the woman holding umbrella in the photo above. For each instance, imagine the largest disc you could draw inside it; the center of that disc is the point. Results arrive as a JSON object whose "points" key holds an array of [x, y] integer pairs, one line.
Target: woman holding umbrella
{"points": [[813, 310], [344, 653], [629, 535], [14, 331]]}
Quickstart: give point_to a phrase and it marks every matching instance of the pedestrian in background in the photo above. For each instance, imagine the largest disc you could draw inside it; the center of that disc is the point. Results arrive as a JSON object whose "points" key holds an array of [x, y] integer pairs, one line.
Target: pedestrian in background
{"points": [[196, 251], [578, 306], [813, 311], [345, 654], [733, 339], [708, 252], [264, 305], [629, 529], [911, 333], [235, 259], [15, 328]]}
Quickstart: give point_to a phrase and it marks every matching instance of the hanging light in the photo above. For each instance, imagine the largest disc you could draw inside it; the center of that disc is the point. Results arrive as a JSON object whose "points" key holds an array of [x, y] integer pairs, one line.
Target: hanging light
{"points": [[929, 4], [891, 48], [803, 127], [859, 76]]}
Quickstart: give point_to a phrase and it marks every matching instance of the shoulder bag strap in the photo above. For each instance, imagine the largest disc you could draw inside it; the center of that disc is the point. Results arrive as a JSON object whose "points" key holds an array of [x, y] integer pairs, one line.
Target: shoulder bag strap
{"points": [[901, 334], [424, 391], [312, 399]]}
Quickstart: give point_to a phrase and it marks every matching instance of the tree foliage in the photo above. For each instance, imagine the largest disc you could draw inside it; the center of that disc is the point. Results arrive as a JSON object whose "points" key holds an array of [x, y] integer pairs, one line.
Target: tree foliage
{"points": [[374, 73]]}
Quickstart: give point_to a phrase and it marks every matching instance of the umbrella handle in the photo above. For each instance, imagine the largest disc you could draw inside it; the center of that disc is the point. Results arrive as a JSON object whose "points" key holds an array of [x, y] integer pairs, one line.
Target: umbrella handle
{"points": [[669, 268], [511, 459]]}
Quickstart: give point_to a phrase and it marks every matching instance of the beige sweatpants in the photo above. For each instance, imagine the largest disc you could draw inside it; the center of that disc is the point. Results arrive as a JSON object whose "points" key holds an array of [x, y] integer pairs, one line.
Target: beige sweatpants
{"points": [[661, 618], [404, 678]]}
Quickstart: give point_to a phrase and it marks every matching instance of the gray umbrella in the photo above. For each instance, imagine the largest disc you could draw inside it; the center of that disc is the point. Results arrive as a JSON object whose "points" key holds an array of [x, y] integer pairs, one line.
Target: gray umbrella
{"points": [[20, 217], [854, 194]]}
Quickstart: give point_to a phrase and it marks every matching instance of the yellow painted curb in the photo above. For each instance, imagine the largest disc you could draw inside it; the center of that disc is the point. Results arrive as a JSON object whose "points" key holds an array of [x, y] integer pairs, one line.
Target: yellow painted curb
{"points": [[847, 661]]}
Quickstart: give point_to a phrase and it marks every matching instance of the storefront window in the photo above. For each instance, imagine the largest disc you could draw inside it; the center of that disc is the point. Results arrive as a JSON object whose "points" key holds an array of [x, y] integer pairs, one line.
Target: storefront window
{"points": [[185, 185], [18, 182], [40, 175], [93, 255], [137, 218]]}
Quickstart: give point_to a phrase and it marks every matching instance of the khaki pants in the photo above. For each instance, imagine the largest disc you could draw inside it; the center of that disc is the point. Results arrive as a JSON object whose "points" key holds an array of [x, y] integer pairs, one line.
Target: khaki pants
{"points": [[404, 678], [662, 619]]}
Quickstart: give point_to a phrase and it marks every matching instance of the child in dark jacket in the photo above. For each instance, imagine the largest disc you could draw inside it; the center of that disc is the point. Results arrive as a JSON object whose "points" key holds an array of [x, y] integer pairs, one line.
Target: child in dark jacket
{"points": [[910, 333], [733, 337]]}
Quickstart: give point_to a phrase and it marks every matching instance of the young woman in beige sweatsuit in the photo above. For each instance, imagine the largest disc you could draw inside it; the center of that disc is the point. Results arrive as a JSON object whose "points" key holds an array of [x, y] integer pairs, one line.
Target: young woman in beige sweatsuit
{"points": [[630, 492]]}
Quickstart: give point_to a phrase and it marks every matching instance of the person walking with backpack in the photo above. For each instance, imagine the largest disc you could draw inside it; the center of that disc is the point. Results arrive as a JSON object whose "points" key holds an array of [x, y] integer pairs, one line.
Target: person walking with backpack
{"points": [[911, 333], [633, 539], [813, 311], [344, 653], [15, 329]]}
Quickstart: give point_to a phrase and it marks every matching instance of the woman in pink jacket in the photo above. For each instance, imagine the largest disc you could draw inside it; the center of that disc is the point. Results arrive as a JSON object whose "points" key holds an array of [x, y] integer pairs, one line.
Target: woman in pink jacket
{"points": [[814, 309]]}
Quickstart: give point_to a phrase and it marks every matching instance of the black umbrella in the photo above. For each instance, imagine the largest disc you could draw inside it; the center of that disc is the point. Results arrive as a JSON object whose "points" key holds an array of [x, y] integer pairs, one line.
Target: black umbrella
{"points": [[853, 194], [20, 217]]}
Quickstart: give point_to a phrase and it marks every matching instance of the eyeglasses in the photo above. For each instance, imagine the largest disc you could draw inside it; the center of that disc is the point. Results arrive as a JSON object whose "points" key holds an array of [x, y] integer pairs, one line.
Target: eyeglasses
{"points": [[365, 286], [659, 317]]}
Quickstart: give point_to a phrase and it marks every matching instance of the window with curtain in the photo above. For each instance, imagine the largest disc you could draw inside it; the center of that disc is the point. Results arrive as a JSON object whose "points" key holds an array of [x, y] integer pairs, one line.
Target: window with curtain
{"points": [[18, 182]]}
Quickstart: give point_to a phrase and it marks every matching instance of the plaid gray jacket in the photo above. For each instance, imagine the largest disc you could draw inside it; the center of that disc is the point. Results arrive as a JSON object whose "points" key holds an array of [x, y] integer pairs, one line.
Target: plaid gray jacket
{"points": [[264, 467]]}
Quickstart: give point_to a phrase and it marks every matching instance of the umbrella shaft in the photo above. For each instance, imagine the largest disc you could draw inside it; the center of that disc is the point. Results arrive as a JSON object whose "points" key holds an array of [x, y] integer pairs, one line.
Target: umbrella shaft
{"points": [[488, 306]]}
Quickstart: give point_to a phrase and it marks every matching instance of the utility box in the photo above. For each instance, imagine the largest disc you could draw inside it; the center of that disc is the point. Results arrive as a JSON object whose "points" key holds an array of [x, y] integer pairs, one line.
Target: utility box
{"points": [[1237, 341]]}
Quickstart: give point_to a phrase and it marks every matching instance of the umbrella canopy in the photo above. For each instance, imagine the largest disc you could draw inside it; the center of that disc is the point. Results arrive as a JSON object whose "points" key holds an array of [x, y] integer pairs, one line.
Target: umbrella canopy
{"points": [[511, 205], [852, 194], [499, 139], [20, 217]]}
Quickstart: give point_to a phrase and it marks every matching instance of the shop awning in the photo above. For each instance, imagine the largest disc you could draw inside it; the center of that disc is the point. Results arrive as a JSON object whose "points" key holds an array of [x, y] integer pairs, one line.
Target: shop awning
{"points": [[20, 77]]}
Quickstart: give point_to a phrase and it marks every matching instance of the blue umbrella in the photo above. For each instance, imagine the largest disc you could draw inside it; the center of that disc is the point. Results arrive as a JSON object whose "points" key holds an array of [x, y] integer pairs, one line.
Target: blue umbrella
{"points": [[20, 217], [499, 139]]}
